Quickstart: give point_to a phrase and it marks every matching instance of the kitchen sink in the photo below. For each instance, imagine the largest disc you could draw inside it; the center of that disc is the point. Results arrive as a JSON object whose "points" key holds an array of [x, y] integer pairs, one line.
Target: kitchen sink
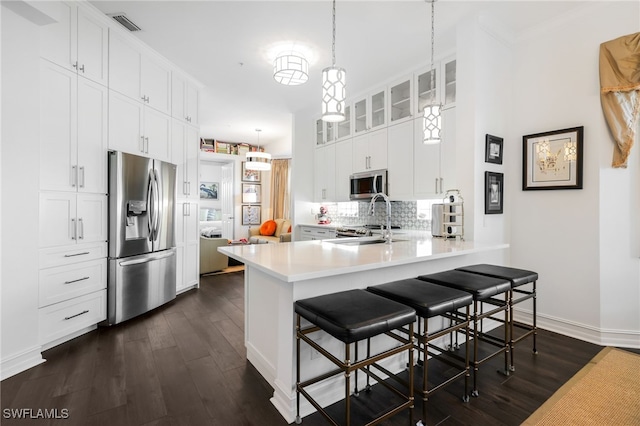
{"points": [[361, 241]]}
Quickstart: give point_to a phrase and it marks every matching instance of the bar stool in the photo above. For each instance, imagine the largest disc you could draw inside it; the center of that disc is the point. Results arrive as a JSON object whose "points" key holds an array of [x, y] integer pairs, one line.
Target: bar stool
{"points": [[483, 289], [518, 278], [430, 301], [352, 316]]}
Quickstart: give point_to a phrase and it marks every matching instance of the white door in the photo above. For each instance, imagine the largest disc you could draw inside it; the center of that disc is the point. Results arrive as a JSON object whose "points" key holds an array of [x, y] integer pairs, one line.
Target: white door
{"points": [[125, 124], [155, 81], [157, 131], [124, 67], [227, 201], [399, 160], [92, 48], [91, 217], [426, 165], [57, 219]]}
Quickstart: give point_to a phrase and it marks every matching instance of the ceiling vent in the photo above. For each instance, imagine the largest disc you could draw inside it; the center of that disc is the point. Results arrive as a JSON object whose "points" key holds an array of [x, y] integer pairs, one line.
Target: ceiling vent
{"points": [[124, 21]]}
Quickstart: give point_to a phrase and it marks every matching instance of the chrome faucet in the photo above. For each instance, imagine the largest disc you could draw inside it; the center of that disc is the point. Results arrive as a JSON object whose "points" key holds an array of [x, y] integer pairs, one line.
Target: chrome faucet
{"points": [[386, 232]]}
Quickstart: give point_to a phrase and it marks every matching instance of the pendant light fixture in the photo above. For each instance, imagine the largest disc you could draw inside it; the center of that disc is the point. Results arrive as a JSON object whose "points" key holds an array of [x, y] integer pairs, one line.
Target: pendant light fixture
{"points": [[432, 121], [257, 160], [291, 68], [333, 84]]}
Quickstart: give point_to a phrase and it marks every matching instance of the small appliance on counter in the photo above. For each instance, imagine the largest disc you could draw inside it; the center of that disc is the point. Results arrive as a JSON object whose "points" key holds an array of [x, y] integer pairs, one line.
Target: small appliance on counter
{"points": [[447, 218]]}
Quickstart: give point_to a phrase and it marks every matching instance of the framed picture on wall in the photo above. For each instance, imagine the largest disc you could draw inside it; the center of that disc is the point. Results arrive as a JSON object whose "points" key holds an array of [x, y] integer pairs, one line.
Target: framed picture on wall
{"points": [[493, 149], [249, 175], [552, 160], [209, 190], [251, 193], [493, 192], [250, 215]]}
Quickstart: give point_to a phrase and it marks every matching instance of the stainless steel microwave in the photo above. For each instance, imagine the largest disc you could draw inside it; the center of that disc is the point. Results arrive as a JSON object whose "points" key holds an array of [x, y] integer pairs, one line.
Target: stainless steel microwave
{"points": [[365, 185]]}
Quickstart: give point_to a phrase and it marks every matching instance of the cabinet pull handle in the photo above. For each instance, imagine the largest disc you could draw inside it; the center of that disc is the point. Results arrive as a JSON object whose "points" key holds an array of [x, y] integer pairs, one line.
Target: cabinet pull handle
{"points": [[441, 185], [73, 229], [75, 64], [146, 139], [75, 281], [82, 68], [76, 315], [144, 99], [142, 142], [81, 172], [74, 176], [81, 226], [77, 254], [436, 186]]}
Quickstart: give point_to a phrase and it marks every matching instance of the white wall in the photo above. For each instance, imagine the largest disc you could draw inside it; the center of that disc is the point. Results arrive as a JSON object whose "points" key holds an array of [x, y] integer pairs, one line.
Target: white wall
{"points": [[578, 240], [20, 182]]}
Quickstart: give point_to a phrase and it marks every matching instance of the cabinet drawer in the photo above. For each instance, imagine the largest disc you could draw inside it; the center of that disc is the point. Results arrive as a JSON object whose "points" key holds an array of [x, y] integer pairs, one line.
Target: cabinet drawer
{"points": [[67, 255], [59, 320], [311, 233], [69, 281]]}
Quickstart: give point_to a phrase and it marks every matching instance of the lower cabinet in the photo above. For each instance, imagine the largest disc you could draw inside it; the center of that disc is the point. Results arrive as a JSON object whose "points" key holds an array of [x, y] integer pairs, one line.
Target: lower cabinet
{"points": [[72, 290], [308, 233], [187, 245]]}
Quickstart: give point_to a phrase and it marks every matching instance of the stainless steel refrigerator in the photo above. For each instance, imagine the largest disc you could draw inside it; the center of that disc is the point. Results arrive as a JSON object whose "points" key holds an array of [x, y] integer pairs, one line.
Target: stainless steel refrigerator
{"points": [[142, 254]]}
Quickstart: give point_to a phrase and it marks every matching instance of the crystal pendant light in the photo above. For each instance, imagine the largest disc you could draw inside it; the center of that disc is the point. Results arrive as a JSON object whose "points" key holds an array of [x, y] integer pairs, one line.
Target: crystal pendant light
{"points": [[432, 121], [257, 160], [291, 69], [333, 84]]}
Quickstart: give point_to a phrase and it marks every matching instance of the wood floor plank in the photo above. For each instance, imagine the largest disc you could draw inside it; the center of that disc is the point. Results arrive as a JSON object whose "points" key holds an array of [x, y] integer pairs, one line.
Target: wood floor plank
{"points": [[108, 387], [187, 340], [160, 335], [225, 356]]}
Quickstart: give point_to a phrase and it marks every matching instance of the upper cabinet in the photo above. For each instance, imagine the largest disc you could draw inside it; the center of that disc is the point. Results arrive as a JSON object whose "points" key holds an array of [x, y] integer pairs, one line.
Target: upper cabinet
{"points": [[77, 42], [184, 100], [401, 100], [344, 127], [370, 112], [138, 75], [443, 88]]}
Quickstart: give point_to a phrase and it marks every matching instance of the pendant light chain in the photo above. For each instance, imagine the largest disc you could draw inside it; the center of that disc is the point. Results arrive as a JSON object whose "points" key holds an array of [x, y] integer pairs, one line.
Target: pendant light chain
{"points": [[433, 2], [333, 42]]}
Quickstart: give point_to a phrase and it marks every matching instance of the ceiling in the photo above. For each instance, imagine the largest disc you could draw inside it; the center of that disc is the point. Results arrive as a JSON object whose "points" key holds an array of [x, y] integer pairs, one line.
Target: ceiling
{"points": [[228, 46]]}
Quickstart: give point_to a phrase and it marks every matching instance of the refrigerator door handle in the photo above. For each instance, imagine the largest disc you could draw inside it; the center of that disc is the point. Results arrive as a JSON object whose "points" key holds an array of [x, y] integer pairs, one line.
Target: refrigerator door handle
{"points": [[146, 259], [156, 205], [150, 208]]}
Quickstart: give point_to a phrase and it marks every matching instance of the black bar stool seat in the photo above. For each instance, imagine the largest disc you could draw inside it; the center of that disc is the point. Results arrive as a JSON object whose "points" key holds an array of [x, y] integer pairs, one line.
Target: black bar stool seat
{"points": [[352, 316], [483, 289], [432, 300], [518, 278]]}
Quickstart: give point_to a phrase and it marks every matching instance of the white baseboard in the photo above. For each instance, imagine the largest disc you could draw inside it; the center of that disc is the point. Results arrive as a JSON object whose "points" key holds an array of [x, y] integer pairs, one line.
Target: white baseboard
{"points": [[20, 362], [598, 336]]}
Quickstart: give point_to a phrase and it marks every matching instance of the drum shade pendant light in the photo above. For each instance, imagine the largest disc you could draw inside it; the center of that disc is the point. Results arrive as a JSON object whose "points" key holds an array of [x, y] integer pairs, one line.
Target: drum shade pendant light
{"points": [[333, 84], [257, 160], [291, 69], [432, 121]]}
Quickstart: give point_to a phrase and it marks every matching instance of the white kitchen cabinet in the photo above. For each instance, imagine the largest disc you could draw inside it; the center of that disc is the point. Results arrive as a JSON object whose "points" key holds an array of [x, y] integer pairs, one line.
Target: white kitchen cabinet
{"points": [[325, 173], [444, 81], [78, 42], [370, 112], [184, 153], [344, 127], [138, 75], [68, 218], [187, 245], [65, 282], [309, 233], [434, 165], [400, 161], [73, 132], [184, 100], [344, 165], [325, 132], [62, 319], [401, 100], [137, 129], [370, 151]]}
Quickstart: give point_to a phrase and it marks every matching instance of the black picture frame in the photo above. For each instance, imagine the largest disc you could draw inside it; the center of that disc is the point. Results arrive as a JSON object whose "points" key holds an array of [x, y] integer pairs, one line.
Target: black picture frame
{"points": [[553, 160], [493, 149], [493, 193]]}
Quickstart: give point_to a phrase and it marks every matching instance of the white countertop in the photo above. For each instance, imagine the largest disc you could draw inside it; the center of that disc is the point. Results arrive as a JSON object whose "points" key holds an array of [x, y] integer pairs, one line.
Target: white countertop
{"points": [[303, 260]]}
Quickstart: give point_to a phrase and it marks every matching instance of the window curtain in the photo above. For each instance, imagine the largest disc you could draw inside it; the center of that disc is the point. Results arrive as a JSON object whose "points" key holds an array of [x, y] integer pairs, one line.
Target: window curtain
{"points": [[280, 188], [620, 92]]}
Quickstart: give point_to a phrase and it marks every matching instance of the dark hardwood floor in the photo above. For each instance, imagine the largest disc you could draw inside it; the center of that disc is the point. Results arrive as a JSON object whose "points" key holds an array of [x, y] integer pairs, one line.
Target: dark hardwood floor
{"points": [[184, 364]]}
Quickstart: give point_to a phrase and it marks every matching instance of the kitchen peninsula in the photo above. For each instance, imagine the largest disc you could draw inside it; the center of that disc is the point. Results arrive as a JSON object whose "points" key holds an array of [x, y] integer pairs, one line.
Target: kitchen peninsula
{"points": [[276, 275]]}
